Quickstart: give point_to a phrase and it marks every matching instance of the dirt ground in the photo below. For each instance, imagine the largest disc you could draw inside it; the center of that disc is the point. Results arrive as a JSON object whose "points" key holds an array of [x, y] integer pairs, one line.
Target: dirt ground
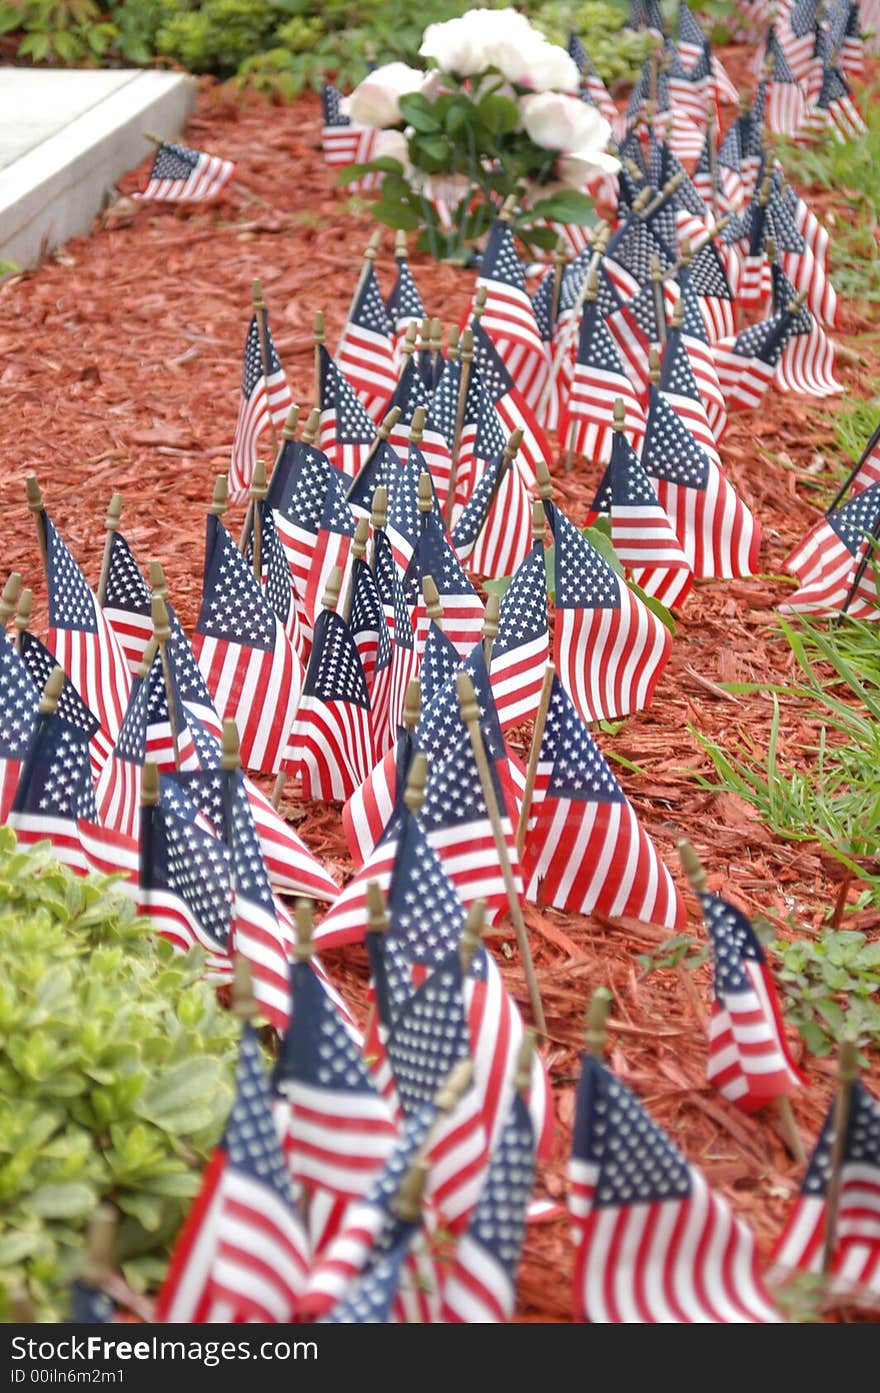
{"points": [[120, 362]]}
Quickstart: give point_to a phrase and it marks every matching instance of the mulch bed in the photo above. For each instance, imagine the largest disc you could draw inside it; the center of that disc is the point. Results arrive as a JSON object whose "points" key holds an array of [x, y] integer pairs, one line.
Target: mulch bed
{"points": [[121, 362]]}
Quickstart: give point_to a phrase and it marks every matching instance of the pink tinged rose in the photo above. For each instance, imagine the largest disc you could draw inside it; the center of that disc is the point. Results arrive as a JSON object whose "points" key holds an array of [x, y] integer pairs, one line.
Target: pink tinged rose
{"points": [[376, 100]]}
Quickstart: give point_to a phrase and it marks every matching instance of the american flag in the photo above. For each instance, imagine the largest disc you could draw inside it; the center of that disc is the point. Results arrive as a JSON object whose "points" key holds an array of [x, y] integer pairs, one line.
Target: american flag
{"points": [[313, 521], [246, 658], [345, 143], [707, 277], [718, 534], [796, 35], [802, 251], [404, 658], [243, 1252], [599, 379], [378, 472], [424, 1044], [508, 317], [481, 1286], [593, 89], [372, 636], [482, 435], [691, 38], [867, 468], [746, 364], [609, 648], [346, 432], [186, 879], [807, 362], [369, 810], [494, 533], [275, 576], [403, 527], [679, 387], [855, 1263], [522, 644], [181, 175], [786, 108], [337, 1129], [836, 111], [19, 695], [365, 352], [462, 607], [40, 662], [826, 561], [410, 393], [845, 34], [371, 1230], [404, 303], [127, 602], [642, 533], [586, 848], [696, 344], [653, 1243], [55, 799], [330, 746], [264, 397], [374, 1292], [749, 1059], [511, 407], [81, 637]]}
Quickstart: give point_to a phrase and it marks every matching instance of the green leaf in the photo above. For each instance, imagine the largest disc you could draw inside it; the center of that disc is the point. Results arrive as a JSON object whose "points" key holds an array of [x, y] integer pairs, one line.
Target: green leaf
{"points": [[602, 543], [382, 164], [566, 206], [654, 605], [61, 1201], [497, 587], [183, 1086], [498, 114], [418, 112], [397, 215]]}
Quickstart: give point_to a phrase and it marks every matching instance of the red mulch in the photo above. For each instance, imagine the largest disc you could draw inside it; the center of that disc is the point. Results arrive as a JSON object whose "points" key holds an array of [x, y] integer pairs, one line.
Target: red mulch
{"points": [[121, 361]]}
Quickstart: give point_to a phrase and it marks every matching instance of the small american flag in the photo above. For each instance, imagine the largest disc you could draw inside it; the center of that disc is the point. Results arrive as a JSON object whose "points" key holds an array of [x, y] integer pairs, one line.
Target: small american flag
{"points": [[836, 111], [245, 656], [337, 1129], [591, 83], [746, 364], [365, 352], [695, 340], [680, 389], [718, 534], [462, 607], [827, 560], [511, 407], [481, 1287], [81, 638], [796, 35], [369, 810], [494, 533], [186, 879], [127, 602], [410, 393], [653, 1243], [345, 143], [181, 175], [330, 746], [855, 1263], [39, 662], [749, 1060], [807, 362], [802, 250], [313, 521], [264, 397], [522, 644], [599, 379], [404, 303], [404, 524], [243, 1253], [642, 533], [508, 317], [609, 648], [19, 695], [586, 849], [346, 432], [786, 108]]}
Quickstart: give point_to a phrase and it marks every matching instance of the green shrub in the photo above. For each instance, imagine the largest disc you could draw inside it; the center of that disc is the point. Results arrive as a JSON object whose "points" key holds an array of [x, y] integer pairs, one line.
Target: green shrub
{"points": [[116, 1068]]}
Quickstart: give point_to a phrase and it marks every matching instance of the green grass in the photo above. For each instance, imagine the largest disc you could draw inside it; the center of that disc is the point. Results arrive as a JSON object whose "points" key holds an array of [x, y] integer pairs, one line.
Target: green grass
{"points": [[851, 171]]}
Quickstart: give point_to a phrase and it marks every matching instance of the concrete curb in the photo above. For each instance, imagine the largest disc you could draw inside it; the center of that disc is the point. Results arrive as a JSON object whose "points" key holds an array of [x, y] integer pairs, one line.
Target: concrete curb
{"points": [[55, 188]]}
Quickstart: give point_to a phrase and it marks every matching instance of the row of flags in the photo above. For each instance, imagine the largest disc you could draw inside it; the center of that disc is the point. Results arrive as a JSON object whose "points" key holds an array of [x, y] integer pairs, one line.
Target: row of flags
{"points": [[386, 1170]]}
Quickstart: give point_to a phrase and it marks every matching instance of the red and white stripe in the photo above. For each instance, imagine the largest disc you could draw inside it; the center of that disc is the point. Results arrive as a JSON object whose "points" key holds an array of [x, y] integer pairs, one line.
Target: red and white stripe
{"points": [[257, 688], [610, 660], [855, 1265], [807, 365], [330, 748], [133, 632], [744, 381], [718, 533], [334, 1141], [95, 664], [270, 399], [509, 320], [749, 1060], [649, 549], [678, 1261], [367, 358], [588, 417]]}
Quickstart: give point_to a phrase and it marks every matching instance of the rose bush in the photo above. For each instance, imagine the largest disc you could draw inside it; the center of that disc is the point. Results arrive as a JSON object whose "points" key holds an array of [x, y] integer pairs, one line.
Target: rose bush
{"points": [[499, 115]]}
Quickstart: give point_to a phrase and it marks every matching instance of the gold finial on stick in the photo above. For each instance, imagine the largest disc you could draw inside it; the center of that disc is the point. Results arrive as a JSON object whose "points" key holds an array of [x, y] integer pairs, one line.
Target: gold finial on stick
{"points": [[417, 778], [412, 704], [312, 426], [52, 692], [417, 426], [230, 752], [472, 935], [653, 366], [539, 521], [219, 497], [149, 784], [545, 483], [304, 922], [23, 614], [361, 536], [244, 1003], [334, 584], [619, 417], [34, 496], [158, 584], [596, 1033], [431, 596], [289, 431], [9, 598], [379, 511], [692, 866], [378, 918], [425, 493]]}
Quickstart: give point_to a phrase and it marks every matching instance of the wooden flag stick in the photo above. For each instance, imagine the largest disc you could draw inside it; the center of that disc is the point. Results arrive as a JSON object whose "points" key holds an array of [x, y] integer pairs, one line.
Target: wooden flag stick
{"points": [[659, 305], [358, 553], [220, 497], [466, 357], [371, 251], [112, 521], [472, 934], [534, 753], [287, 434], [162, 633], [312, 426], [523, 1078], [847, 1073], [23, 616], [35, 504], [378, 518], [9, 598], [490, 626], [590, 293], [436, 344], [259, 490], [696, 876], [244, 1003], [596, 1033], [470, 715], [260, 312], [318, 337], [560, 256], [48, 703]]}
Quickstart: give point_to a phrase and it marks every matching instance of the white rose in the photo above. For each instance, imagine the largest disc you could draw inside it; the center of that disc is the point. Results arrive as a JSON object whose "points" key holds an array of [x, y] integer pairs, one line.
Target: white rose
{"points": [[558, 122], [394, 145], [466, 45], [578, 170], [376, 100], [529, 60]]}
